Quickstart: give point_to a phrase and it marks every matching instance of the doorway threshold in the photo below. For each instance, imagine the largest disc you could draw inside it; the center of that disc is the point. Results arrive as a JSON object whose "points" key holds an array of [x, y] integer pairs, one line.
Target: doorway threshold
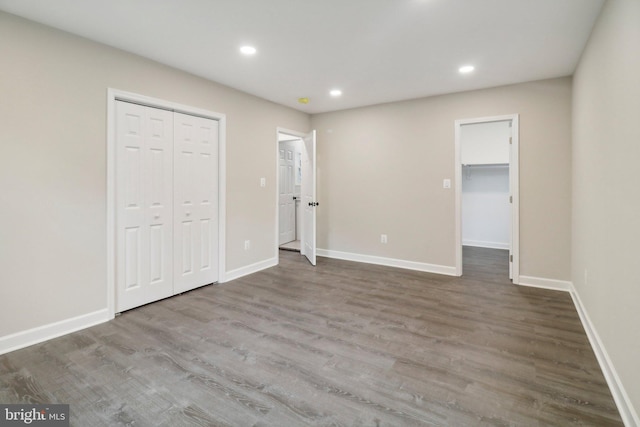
{"points": [[291, 246]]}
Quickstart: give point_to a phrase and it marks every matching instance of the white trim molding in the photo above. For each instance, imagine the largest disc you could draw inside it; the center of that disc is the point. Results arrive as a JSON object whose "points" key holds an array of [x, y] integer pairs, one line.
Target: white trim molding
{"points": [[250, 269], [541, 282], [43, 333], [623, 402], [389, 262]]}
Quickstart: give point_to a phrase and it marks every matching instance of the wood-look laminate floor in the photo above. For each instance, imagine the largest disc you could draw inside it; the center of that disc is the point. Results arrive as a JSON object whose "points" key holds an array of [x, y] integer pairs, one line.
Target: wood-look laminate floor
{"points": [[342, 344]]}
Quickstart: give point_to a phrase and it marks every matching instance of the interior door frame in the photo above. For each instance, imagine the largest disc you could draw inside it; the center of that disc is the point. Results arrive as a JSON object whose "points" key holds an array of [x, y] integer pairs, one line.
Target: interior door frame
{"points": [[114, 95], [514, 189], [295, 134]]}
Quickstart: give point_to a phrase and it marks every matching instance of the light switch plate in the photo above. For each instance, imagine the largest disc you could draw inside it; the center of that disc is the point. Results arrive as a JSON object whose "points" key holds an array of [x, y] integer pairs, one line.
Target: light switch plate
{"points": [[446, 183], [263, 182]]}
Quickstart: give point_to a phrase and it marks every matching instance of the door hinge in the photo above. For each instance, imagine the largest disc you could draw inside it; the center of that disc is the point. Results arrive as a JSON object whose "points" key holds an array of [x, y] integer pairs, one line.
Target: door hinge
{"points": [[510, 140], [510, 258], [510, 199]]}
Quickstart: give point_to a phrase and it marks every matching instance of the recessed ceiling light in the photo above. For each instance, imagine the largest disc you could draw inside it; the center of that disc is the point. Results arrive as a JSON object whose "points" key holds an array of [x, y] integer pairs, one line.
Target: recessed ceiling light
{"points": [[466, 69], [248, 50], [335, 92], [303, 100]]}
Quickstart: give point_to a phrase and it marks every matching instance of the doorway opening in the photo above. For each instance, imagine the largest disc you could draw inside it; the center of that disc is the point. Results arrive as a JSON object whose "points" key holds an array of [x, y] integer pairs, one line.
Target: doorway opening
{"points": [[487, 221], [289, 192], [296, 193]]}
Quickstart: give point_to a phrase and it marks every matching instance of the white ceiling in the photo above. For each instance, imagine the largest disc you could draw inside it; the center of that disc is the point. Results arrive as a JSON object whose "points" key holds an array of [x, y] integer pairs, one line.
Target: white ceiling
{"points": [[374, 50]]}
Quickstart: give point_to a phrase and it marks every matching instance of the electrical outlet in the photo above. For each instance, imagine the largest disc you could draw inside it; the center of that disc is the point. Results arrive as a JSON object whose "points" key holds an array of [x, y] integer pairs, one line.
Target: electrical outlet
{"points": [[247, 245], [263, 182], [383, 238]]}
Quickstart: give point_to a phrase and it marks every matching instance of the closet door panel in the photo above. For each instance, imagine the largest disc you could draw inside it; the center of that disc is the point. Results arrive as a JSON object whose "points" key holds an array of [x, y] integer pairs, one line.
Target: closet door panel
{"points": [[196, 201], [144, 212]]}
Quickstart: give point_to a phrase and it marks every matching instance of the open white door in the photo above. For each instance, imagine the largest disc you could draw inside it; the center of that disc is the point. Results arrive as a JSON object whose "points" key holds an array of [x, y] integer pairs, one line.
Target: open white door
{"points": [[309, 203]]}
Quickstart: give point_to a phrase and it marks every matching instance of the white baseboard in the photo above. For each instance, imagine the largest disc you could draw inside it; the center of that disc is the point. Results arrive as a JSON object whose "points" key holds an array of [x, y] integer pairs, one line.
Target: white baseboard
{"points": [[249, 269], [625, 407], [541, 282], [483, 244], [627, 411], [389, 262], [43, 333]]}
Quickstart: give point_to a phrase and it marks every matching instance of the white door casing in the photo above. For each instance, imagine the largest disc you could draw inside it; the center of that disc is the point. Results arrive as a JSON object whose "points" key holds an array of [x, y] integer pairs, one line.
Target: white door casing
{"points": [[514, 189], [511, 183], [195, 202], [309, 202], [144, 206], [286, 203]]}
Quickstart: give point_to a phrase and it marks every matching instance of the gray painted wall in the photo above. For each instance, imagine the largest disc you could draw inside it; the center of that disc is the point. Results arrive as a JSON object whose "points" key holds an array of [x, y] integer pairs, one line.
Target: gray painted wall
{"points": [[380, 170], [606, 197], [53, 102]]}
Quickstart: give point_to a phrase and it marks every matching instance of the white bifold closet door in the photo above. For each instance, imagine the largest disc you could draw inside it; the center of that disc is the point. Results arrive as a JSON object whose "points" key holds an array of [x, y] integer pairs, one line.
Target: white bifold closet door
{"points": [[167, 203], [196, 202], [144, 198]]}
